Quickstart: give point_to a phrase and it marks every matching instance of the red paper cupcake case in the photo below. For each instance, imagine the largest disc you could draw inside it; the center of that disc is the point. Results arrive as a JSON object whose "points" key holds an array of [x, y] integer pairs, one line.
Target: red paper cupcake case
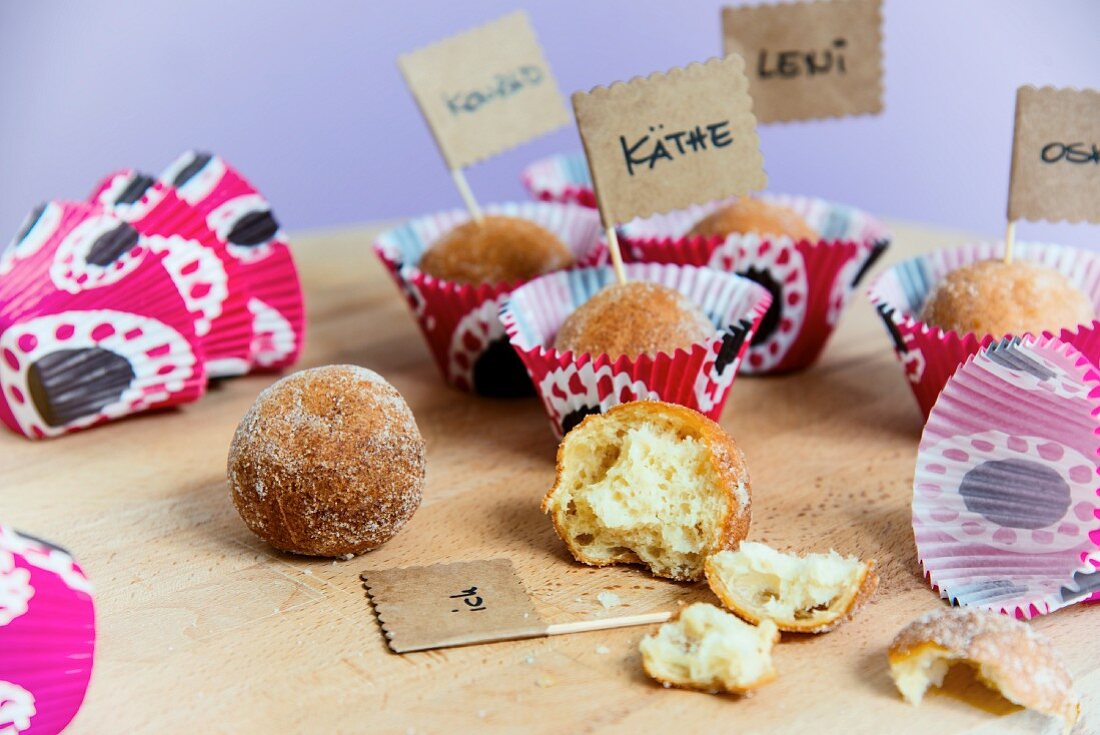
{"points": [[212, 283], [929, 355], [92, 327], [1005, 493], [242, 218], [47, 635], [461, 322], [811, 282], [572, 387], [562, 178]]}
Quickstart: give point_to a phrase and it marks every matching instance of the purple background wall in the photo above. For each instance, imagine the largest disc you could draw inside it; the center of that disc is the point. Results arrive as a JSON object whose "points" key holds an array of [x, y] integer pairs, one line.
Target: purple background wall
{"points": [[306, 98]]}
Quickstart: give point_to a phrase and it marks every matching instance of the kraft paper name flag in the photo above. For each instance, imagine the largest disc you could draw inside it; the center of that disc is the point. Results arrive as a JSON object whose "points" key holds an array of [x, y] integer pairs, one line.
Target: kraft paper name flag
{"points": [[809, 60], [463, 603], [484, 91], [669, 140]]}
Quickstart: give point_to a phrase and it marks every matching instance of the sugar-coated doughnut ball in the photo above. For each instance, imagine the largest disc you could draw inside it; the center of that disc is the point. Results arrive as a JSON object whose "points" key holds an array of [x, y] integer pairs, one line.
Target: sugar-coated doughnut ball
{"points": [[496, 250], [633, 319], [327, 462], [754, 215], [999, 298]]}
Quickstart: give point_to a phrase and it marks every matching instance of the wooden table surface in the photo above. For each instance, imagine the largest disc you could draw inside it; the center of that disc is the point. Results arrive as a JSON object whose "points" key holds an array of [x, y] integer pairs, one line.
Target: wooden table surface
{"points": [[204, 628]]}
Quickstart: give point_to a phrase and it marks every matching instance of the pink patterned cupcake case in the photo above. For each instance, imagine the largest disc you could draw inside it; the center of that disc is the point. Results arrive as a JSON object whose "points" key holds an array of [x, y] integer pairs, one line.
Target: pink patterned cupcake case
{"points": [[92, 327], [928, 354], [810, 282], [47, 635], [460, 322], [574, 386], [562, 178], [1006, 514]]}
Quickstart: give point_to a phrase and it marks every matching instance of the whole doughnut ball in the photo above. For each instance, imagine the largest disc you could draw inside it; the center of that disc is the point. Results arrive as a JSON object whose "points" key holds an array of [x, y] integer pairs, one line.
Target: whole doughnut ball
{"points": [[496, 250], [632, 319], [748, 215], [327, 462], [998, 298]]}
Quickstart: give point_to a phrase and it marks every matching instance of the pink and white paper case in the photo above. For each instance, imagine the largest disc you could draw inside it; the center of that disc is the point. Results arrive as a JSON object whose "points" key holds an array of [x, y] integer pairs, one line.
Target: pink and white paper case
{"points": [[573, 386], [562, 178], [928, 354], [47, 635], [1006, 514], [460, 322], [810, 282], [92, 327]]}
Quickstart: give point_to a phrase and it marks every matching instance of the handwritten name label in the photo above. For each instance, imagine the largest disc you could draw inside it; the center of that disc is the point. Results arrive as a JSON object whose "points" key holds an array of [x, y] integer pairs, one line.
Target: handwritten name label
{"points": [[451, 604], [1056, 155], [669, 140], [485, 90], [812, 59]]}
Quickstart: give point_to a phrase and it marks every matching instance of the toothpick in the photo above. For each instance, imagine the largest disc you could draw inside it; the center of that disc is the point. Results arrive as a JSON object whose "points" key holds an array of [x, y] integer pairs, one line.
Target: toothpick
{"points": [[467, 196], [626, 621], [616, 254], [1010, 240]]}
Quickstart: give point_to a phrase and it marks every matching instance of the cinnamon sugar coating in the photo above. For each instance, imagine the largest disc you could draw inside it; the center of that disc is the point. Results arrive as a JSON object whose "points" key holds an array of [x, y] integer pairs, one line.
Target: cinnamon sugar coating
{"points": [[499, 249], [754, 215]]}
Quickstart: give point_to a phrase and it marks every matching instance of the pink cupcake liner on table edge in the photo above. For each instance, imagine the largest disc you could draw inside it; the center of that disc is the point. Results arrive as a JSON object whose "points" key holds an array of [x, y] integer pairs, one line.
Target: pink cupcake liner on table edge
{"points": [[811, 282], [47, 635], [460, 322], [930, 355], [574, 386], [92, 327], [1006, 512]]}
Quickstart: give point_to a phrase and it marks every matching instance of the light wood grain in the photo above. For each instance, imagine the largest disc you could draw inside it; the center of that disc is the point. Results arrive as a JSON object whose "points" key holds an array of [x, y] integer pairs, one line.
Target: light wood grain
{"points": [[203, 628]]}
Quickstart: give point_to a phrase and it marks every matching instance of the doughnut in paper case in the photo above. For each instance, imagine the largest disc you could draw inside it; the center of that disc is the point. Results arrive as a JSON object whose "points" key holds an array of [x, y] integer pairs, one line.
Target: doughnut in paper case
{"points": [[810, 282], [562, 178], [92, 327], [1005, 509], [242, 218], [47, 635], [212, 283], [928, 354], [461, 322], [574, 386]]}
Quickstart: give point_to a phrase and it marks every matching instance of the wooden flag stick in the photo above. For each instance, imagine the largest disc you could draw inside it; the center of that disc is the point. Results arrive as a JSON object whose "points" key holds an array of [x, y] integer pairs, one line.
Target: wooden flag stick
{"points": [[583, 626], [463, 187], [1010, 240], [616, 254]]}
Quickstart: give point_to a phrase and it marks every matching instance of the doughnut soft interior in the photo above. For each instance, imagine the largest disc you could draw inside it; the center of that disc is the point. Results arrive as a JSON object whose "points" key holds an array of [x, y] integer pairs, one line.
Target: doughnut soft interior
{"points": [[650, 483]]}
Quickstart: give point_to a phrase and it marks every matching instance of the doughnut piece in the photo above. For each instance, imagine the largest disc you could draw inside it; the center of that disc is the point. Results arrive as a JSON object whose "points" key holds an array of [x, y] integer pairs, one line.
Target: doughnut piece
{"points": [[650, 483], [803, 594], [998, 298], [750, 215], [1008, 655], [498, 249], [708, 649], [632, 319], [327, 462]]}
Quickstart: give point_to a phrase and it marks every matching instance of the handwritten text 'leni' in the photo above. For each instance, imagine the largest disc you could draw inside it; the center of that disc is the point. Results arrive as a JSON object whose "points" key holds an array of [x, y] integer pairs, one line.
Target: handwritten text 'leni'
{"points": [[470, 598], [795, 63], [657, 145], [501, 87]]}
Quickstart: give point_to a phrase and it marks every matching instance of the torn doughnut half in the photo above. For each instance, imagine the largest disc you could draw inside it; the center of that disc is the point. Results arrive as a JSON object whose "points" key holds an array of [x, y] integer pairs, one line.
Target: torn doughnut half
{"points": [[1007, 654], [650, 483], [802, 594], [707, 648]]}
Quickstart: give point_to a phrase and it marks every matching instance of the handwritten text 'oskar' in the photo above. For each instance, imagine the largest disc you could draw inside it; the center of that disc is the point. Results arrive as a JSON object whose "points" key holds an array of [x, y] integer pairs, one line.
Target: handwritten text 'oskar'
{"points": [[657, 145], [502, 86], [1070, 153], [797, 63]]}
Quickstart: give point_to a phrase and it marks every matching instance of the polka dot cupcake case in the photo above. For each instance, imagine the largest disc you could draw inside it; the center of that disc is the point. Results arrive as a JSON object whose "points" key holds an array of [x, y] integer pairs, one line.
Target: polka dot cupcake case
{"points": [[47, 635], [928, 354], [574, 386], [810, 282], [212, 283], [461, 322], [243, 220], [1006, 514], [92, 327]]}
